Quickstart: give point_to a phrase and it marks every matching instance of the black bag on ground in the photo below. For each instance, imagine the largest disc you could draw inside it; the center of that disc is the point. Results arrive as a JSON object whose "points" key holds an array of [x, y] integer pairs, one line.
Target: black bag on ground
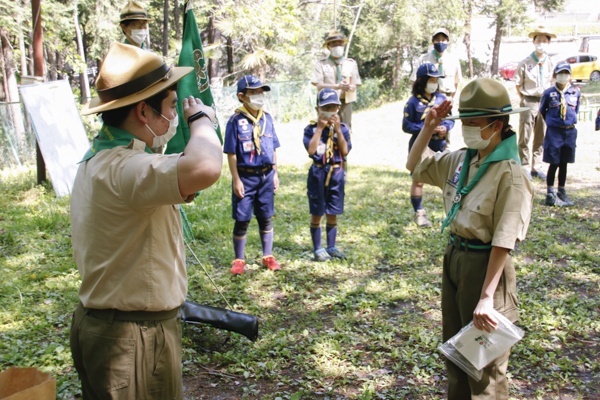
{"points": [[220, 318]]}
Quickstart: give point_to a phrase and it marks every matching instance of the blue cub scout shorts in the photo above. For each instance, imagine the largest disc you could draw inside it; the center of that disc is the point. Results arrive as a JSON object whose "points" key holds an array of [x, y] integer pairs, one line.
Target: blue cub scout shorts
{"points": [[559, 145], [258, 195], [325, 200]]}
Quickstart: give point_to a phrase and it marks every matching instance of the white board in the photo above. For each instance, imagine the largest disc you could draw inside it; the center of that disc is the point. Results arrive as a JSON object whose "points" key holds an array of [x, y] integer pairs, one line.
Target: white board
{"points": [[59, 130]]}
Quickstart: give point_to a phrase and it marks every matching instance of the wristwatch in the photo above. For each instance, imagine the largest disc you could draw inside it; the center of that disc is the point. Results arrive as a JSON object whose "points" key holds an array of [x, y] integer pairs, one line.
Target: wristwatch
{"points": [[196, 116]]}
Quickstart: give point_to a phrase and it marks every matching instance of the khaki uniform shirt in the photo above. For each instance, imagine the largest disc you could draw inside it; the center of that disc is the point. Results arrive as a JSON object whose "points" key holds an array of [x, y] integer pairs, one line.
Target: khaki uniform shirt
{"points": [[497, 209], [527, 76], [451, 70], [126, 230], [326, 72]]}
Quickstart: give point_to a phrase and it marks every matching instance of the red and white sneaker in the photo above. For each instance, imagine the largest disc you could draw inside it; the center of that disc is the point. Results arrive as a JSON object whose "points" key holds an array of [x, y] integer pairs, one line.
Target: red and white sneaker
{"points": [[238, 267], [269, 262]]}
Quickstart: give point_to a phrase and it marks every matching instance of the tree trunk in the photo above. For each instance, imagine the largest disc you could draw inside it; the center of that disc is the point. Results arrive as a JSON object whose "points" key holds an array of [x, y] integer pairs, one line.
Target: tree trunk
{"points": [[52, 75], [22, 50], [59, 61], [214, 35], [11, 88], [176, 20], [397, 69], [467, 40], [30, 65], [497, 41], [229, 55], [83, 78], [166, 29]]}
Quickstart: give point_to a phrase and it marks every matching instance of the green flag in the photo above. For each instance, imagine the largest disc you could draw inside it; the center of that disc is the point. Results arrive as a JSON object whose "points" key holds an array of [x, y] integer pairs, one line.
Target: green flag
{"points": [[194, 84]]}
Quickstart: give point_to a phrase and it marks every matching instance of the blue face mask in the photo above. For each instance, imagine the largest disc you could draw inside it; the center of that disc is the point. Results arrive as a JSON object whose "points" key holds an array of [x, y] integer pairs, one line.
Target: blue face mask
{"points": [[440, 47]]}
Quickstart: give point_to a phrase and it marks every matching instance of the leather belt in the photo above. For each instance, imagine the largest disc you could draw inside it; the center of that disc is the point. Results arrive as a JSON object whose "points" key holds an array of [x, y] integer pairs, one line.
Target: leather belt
{"points": [[475, 245], [135, 316], [257, 171], [567, 126]]}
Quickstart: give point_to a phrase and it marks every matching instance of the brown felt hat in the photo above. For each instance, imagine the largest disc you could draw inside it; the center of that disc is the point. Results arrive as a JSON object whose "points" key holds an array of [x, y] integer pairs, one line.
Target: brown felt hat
{"points": [[541, 31], [129, 75], [334, 35], [134, 11], [485, 97]]}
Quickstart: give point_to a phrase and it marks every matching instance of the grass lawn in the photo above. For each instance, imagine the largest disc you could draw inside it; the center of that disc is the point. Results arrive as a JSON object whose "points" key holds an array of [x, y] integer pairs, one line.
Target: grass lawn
{"points": [[364, 328]]}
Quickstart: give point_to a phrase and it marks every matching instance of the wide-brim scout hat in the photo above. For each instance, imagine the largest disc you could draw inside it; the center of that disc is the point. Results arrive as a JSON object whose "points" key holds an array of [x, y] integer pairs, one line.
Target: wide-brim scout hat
{"points": [[333, 36], [443, 31], [134, 11], [541, 31], [251, 82], [484, 97], [562, 66], [428, 69], [129, 75], [327, 96]]}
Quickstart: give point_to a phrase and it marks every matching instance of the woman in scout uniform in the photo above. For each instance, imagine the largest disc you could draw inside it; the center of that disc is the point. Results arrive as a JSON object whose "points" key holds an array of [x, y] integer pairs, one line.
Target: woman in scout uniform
{"points": [[425, 96], [488, 199], [134, 24], [559, 108], [250, 144], [328, 142]]}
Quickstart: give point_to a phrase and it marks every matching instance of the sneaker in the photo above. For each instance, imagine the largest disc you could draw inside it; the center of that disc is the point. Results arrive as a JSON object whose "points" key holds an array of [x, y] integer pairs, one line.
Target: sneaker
{"points": [[238, 267], [553, 200], [528, 175], [334, 252], [563, 196], [540, 175], [269, 262], [321, 255], [421, 219]]}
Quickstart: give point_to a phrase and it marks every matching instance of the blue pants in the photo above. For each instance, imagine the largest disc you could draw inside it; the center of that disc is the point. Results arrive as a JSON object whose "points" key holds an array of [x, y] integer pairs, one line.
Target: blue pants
{"points": [[258, 196], [559, 145], [434, 144], [325, 200]]}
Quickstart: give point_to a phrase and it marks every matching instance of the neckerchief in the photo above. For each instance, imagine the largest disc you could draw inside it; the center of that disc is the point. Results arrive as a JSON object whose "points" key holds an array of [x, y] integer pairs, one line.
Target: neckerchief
{"points": [[328, 155], [337, 65], [563, 101], [110, 137], [429, 103], [540, 64], [257, 131], [506, 150], [439, 60]]}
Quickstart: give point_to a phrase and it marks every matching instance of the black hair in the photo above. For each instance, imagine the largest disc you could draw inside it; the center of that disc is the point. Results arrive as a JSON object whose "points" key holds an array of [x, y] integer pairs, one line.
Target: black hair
{"points": [[420, 84], [549, 38], [117, 116], [507, 130], [243, 91]]}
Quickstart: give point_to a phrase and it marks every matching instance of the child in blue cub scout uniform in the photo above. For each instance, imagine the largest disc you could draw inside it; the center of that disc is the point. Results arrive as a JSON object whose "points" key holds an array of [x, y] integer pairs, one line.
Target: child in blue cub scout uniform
{"points": [[559, 107], [328, 142], [425, 97], [250, 144], [598, 121]]}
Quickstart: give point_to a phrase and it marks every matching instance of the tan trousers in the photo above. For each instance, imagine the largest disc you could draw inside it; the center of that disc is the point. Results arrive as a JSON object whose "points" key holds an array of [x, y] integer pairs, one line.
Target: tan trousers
{"points": [[462, 281], [531, 125], [120, 360], [346, 112]]}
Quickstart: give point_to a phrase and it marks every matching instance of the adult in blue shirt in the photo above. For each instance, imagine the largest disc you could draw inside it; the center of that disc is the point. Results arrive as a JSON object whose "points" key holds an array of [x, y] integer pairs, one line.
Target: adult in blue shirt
{"points": [[559, 107], [425, 96]]}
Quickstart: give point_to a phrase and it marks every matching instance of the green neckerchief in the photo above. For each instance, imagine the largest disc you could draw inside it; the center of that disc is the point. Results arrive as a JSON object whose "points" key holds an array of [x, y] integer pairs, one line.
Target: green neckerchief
{"points": [[506, 150], [337, 65], [439, 60], [143, 47], [110, 137], [540, 65]]}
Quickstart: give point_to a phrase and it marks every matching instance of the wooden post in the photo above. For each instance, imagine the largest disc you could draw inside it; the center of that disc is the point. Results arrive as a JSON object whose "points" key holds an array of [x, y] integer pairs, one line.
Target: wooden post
{"points": [[38, 70]]}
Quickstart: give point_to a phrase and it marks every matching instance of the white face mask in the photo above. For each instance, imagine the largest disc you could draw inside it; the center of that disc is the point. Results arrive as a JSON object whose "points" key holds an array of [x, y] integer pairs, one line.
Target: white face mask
{"points": [[257, 101], [159, 141], [337, 52], [472, 137], [563, 78], [139, 35], [327, 114], [431, 88], [541, 47]]}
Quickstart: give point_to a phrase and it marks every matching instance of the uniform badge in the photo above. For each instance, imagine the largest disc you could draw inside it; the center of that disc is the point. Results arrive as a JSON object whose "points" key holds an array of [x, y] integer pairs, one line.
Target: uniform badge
{"points": [[327, 67], [529, 67], [456, 173], [243, 121], [248, 146]]}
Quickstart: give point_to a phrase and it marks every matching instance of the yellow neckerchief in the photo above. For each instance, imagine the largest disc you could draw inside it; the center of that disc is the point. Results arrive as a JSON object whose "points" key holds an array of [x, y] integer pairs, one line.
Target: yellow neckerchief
{"points": [[257, 131], [328, 155], [563, 100], [430, 104]]}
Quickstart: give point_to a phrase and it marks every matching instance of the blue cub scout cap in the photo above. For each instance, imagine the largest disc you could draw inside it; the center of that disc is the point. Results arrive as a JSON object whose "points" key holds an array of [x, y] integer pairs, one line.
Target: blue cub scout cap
{"points": [[562, 66], [428, 69], [251, 82], [327, 96]]}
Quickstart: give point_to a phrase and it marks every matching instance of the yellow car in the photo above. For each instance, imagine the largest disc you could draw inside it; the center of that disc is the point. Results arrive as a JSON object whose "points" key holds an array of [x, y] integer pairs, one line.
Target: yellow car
{"points": [[584, 66]]}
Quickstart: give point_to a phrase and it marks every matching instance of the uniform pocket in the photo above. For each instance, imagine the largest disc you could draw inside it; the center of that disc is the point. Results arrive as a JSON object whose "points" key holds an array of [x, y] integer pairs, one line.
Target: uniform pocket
{"points": [[164, 381], [107, 361]]}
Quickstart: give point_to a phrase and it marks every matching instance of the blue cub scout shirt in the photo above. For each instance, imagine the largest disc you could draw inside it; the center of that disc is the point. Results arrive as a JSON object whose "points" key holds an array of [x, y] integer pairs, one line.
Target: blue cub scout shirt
{"points": [[240, 141], [415, 108], [550, 106], [319, 156]]}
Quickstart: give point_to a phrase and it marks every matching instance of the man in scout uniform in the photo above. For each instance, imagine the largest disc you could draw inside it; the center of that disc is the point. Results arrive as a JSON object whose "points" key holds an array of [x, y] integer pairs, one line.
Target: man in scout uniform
{"points": [[327, 141], [488, 199], [338, 73], [251, 144], [446, 63], [126, 228], [532, 77], [134, 24]]}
